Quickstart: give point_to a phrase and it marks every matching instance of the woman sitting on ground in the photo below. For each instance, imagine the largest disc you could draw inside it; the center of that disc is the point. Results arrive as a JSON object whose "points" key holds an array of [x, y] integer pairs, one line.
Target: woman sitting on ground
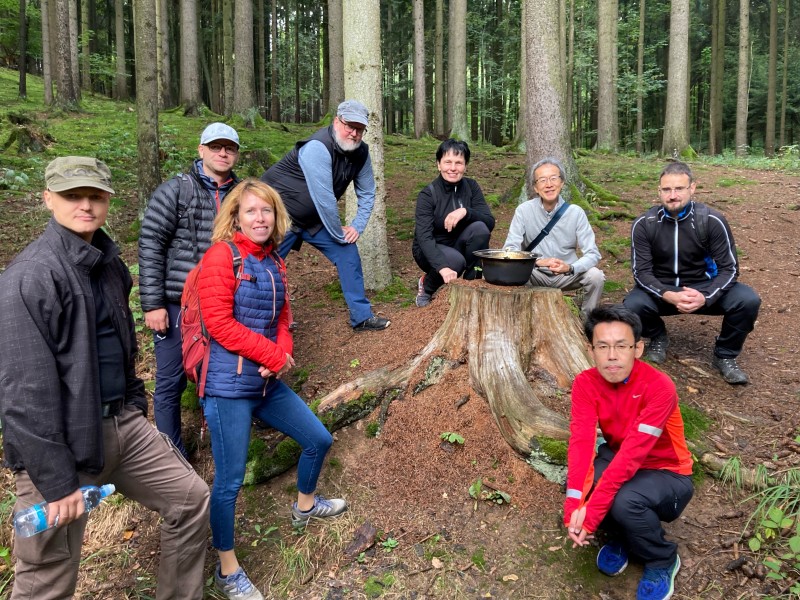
{"points": [[251, 350], [452, 221]]}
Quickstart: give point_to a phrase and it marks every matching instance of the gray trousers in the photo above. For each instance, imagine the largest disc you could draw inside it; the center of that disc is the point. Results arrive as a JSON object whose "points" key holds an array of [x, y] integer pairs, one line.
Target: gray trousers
{"points": [[591, 281], [146, 467]]}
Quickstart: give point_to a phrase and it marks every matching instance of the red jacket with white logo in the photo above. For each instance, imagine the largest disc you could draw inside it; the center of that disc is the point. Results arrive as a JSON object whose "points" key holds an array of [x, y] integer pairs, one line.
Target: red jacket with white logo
{"points": [[639, 419]]}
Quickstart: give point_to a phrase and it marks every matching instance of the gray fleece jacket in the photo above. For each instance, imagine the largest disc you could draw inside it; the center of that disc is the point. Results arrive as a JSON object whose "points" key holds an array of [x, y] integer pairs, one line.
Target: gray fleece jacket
{"points": [[570, 233]]}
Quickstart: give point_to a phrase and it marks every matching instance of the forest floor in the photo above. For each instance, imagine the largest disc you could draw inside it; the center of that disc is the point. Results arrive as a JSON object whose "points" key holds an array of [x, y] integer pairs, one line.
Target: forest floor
{"points": [[433, 539]]}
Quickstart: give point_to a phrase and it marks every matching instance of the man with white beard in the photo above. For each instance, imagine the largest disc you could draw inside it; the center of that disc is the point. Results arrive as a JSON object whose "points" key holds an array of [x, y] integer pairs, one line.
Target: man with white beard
{"points": [[310, 179]]}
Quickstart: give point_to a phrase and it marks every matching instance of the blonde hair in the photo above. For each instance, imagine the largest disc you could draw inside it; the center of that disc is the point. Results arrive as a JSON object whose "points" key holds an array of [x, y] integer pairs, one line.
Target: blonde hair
{"points": [[227, 222]]}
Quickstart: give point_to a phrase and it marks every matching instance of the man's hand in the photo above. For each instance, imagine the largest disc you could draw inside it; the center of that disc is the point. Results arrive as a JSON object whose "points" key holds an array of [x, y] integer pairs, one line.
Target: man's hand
{"points": [[157, 320], [448, 274], [556, 265], [452, 219], [688, 300], [578, 535], [65, 510], [350, 234]]}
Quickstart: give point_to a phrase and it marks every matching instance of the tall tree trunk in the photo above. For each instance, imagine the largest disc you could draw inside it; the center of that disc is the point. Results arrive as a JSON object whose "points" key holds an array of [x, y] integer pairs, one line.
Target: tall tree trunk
{"points": [[189, 58], [640, 82], [496, 130], [326, 60], [67, 97], [389, 71], [244, 94], [743, 80], [274, 105], [86, 32], [145, 28], [362, 69], [715, 140], [22, 89], [336, 78], [297, 62], [261, 70], [121, 77], [570, 62], [420, 108], [769, 134], [457, 70], [438, 72], [164, 75], [782, 140], [546, 126], [676, 120], [73, 48], [228, 82], [607, 120], [522, 117], [47, 58]]}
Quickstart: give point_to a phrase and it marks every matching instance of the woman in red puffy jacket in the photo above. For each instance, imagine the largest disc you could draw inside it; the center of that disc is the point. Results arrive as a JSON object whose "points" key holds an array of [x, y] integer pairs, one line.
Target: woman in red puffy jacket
{"points": [[251, 350]]}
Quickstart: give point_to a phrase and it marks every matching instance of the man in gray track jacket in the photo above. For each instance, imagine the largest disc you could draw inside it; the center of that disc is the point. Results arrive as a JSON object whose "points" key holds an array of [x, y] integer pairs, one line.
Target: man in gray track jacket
{"points": [[559, 265]]}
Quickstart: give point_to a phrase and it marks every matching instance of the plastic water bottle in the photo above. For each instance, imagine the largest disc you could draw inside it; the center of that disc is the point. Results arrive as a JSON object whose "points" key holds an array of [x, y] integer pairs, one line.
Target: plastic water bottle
{"points": [[33, 519]]}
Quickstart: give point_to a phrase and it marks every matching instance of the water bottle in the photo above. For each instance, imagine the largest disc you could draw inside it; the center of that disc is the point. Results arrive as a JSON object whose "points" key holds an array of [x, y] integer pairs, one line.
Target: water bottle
{"points": [[33, 519]]}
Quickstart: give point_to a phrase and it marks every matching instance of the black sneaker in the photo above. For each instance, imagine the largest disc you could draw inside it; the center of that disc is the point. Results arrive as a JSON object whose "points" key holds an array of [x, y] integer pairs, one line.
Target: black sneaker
{"points": [[372, 324], [657, 348], [730, 370]]}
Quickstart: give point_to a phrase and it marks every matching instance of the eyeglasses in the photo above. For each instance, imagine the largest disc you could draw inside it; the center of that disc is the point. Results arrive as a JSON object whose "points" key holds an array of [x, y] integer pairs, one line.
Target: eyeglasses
{"points": [[350, 128], [545, 180], [618, 348], [229, 148], [668, 191]]}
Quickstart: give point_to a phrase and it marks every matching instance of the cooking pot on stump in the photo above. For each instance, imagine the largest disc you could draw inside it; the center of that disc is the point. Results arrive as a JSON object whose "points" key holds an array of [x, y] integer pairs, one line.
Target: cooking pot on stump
{"points": [[507, 267]]}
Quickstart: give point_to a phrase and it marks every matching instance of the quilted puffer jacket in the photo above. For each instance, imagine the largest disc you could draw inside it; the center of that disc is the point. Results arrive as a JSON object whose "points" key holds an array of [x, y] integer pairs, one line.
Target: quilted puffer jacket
{"points": [[248, 329], [176, 232]]}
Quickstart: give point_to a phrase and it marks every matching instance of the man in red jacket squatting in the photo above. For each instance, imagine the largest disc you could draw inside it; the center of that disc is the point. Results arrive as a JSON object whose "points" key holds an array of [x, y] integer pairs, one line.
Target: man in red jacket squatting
{"points": [[641, 473]]}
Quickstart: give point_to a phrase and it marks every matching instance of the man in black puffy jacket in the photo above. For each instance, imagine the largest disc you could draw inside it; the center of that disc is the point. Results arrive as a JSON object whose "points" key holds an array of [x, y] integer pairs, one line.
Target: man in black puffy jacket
{"points": [[176, 232]]}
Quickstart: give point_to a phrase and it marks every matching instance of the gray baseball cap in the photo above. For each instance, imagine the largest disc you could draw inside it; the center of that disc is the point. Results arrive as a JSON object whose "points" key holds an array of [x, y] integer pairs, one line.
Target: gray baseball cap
{"points": [[352, 111], [70, 172], [219, 131]]}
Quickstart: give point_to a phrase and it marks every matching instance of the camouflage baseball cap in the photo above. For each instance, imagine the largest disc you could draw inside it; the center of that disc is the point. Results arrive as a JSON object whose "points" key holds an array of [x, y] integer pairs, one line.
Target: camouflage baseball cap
{"points": [[69, 172]]}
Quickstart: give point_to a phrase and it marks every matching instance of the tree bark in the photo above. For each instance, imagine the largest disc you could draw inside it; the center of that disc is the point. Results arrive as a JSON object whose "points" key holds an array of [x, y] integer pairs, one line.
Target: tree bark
{"points": [[782, 131], [743, 80], [164, 74], [121, 77], [67, 95], [362, 69], [438, 72], [189, 59], [769, 134], [715, 112], [275, 106], [22, 62], [457, 71], [676, 120], [149, 176], [607, 122], [86, 77], [261, 70], [73, 48], [420, 107], [228, 82], [47, 59], [244, 94], [335, 55], [640, 82]]}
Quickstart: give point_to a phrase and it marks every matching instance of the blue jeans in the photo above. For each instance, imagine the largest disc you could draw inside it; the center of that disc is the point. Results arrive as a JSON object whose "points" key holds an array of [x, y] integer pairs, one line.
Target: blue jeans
{"points": [[348, 264], [229, 421], [170, 379]]}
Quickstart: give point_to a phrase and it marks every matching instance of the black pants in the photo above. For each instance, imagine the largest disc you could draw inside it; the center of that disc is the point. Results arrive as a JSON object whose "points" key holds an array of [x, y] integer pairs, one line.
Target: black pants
{"points": [[641, 504], [459, 256], [739, 306]]}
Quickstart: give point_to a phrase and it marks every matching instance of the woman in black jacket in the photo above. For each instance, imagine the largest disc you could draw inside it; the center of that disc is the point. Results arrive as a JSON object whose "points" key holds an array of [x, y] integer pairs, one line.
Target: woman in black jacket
{"points": [[452, 221]]}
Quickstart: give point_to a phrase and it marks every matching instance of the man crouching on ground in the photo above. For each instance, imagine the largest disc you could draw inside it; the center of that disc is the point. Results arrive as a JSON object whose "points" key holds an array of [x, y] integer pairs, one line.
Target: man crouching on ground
{"points": [[72, 407], [641, 473]]}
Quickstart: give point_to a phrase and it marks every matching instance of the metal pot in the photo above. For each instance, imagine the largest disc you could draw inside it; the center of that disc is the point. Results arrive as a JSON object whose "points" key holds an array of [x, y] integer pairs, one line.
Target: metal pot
{"points": [[507, 267]]}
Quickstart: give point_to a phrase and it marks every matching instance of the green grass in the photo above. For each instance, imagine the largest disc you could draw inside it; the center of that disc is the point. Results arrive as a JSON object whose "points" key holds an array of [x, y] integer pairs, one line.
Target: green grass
{"points": [[694, 422]]}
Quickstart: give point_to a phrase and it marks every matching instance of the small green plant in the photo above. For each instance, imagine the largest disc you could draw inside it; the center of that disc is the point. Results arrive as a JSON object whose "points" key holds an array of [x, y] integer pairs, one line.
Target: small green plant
{"points": [[373, 429], [490, 494], [375, 587], [390, 544], [478, 559], [452, 437], [355, 363], [262, 534], [13, 180]]}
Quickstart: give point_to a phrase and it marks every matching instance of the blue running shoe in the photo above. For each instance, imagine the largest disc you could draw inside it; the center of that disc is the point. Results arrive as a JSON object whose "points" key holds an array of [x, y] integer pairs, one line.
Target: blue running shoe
{"points": [[658, 584], [612, 559]]}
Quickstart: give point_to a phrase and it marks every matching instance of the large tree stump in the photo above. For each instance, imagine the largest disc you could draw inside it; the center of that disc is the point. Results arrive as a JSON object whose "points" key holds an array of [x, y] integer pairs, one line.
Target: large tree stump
{"points": [[519, 343]]}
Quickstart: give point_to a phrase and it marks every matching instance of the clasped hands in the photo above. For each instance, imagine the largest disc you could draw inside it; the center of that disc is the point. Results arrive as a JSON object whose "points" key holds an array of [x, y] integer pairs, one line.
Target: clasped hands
{"points": [[578, 535], [687, 300], [287, 366]]}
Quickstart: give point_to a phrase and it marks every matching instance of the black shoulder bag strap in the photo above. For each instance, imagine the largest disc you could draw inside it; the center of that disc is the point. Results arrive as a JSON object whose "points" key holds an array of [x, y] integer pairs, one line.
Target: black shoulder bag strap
{"points": [[547, 228]]}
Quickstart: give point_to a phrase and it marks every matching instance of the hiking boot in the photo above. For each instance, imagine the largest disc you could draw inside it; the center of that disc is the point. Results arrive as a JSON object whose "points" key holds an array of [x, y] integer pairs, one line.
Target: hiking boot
{"points": [[730, 370], [658, 584], [236, 586], [372, 324], [657, 348], [612, 559], [473, 273], [323, 508], [423, 299]]}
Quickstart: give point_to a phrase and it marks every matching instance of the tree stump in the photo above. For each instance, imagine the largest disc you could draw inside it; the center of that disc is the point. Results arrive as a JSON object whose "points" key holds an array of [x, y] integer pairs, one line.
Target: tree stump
{"points": [[519, 343]]}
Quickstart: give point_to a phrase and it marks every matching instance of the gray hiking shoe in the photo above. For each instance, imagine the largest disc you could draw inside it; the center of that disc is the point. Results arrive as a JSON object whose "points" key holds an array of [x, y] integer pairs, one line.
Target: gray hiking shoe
{"points": [[323, 509], [236, 586], [423, 299], [657, 348], [730, 370]]}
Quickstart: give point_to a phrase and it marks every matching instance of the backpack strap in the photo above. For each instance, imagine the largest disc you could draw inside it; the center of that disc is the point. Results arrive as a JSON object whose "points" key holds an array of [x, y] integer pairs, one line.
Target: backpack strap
{"points": [[549, 227], [701, 225]]}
